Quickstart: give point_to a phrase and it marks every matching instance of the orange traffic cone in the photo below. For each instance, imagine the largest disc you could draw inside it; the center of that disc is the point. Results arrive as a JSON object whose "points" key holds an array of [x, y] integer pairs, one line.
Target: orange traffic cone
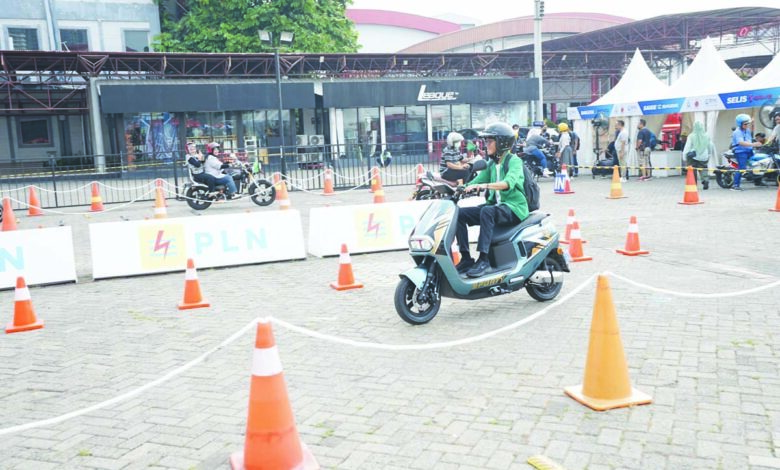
{"points": [[97, 201], [606, 384], [346, 278], [375, 179], [281, 192], [272, 441], [615, 189], [9, 219], [420, 173], [575, 245], [632, 240], [24, 315], [569, 224], [455, 253], [777, 202], [328, 183], [566, 181], [691, 195], [376, 187], [192, 296], [34, 206], [160, 212]]}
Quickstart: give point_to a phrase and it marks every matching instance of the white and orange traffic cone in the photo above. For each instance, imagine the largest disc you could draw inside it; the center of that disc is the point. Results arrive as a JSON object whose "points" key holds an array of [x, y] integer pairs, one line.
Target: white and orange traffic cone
{"points": [[328, 183], [9, 219], [420, 173], [97, 201], [346, 278], [34, 206], [376, 185], [24, 314], [192, 295], [777, 202], [564, 186], [691, 195], [160, 212], [575, 244], [615, 188], [281, 192], [272, 440], [455, 253], [375, 179], [569, 224], [632, 240]]}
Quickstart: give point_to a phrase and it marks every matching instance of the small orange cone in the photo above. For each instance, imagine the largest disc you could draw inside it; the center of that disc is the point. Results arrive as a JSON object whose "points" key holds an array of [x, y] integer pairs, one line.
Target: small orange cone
{"points": [[272, 441], [24, 315], [575, 245], [606, 384], [455, 253], [632, 240], [281, 192], [328, 184], [566, 181], [160, 212], [420, 173], [691, 195], [9, 219], [192, 296], [569, 224], [346, 278], [97, 201], [376, 180], [615, 189], [34, 206], [777, 202]]}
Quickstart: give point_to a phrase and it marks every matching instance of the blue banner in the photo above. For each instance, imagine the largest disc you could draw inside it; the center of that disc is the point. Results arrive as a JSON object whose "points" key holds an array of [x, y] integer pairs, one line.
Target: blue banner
{"points": [[668, 106], [592, 112], [749, 99]]}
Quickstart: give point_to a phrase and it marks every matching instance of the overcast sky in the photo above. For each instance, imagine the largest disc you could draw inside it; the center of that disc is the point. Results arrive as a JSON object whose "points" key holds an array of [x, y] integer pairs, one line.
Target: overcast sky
{"points": [[489, 11]]}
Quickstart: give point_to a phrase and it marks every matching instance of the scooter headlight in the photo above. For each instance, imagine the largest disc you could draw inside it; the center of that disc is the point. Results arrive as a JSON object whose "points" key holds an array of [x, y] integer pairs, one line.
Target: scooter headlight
{"points": [[421, 243]]}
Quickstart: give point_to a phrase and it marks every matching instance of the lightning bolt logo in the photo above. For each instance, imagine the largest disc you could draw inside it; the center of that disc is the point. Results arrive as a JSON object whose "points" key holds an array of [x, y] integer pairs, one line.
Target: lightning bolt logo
{"points": [[159, 244], [372, 227]]}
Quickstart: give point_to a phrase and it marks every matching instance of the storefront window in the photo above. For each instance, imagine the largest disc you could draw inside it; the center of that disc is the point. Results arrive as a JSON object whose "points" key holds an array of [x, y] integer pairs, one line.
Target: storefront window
{"points": [[483, 115], [441, 121], [368, 131], [461, 116], [151, 136], [406, 129], [417, 128]]}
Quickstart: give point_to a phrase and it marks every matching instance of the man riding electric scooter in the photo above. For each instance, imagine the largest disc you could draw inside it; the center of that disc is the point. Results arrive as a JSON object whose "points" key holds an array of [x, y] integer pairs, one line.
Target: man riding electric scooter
{"points": [[506, 203]]}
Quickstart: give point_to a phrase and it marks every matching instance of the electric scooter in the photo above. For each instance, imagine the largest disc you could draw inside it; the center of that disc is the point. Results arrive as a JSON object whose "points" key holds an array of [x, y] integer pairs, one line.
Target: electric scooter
{"points": [[522, 256]]}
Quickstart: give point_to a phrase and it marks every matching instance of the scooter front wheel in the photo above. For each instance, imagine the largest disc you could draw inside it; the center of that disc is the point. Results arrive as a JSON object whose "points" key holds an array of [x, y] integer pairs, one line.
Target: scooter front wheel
{"points": [[408, 304]]}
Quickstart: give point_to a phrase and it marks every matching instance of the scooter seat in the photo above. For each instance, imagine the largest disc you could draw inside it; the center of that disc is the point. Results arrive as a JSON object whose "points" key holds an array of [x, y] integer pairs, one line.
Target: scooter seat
{"points": [[504, 233]]}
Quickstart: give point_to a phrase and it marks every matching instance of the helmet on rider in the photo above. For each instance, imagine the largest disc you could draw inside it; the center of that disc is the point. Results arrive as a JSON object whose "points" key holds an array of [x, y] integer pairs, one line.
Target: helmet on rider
{"points": [[563, 127], [743, 119], [503, 135], [454, 139], [211, 147]]}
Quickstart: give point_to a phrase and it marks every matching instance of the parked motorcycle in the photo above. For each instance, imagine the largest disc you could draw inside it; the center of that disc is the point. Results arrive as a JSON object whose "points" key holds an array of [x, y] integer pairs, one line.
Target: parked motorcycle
{"points": [[533, 163], [761, 167], [248, 183], [433, 187], [522, 256]]}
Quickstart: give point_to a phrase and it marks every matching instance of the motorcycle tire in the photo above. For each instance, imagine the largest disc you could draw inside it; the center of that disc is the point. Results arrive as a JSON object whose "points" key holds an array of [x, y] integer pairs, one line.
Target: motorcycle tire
{"points": [[198, 198], [546, 292], [426, 194], [409, 309], [265, 195], [725, 179]]}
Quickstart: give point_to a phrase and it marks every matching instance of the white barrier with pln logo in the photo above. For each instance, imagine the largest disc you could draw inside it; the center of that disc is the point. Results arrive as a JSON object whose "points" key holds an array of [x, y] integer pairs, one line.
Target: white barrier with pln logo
{"points": [[42, 256], [163, 245], [364, 228]]}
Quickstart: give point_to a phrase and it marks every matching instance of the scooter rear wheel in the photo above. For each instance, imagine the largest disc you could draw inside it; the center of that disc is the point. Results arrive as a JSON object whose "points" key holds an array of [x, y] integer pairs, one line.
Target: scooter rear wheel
{"points": [[545, 292], [408, 307]]}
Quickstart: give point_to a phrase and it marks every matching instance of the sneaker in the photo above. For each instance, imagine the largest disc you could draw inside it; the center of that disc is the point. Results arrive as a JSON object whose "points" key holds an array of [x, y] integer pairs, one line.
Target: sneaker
{"points": [[465, 264], [479, 268], [546, 172], [736, 188], [705, 185], [624, 180]]}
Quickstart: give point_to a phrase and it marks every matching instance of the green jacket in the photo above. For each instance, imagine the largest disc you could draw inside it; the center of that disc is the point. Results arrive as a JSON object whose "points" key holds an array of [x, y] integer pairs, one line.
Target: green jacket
{"points": [[514, 197]]}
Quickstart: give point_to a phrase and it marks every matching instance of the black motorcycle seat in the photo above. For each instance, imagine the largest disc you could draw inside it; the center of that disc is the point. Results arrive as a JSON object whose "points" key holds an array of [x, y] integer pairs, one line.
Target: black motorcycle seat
{"points": [[505, 232]]}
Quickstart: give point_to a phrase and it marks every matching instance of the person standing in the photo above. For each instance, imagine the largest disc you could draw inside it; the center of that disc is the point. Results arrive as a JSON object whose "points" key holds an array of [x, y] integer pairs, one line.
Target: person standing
{"points": [[575, 145], [743, 145], [697, 151], [643, 149], [621, 145], [564, 147]]}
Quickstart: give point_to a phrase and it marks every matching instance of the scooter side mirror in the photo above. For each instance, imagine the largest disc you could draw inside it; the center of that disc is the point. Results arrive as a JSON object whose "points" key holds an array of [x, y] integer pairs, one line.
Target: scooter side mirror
{"points": [[479, 165]]}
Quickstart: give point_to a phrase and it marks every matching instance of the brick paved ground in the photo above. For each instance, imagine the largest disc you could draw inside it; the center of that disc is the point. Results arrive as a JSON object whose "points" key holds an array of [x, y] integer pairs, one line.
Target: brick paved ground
{"points": [[710, 364]]}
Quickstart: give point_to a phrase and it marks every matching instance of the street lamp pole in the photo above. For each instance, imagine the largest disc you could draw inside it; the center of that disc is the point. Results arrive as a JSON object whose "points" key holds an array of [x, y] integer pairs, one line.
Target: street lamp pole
{"points": [[281, 121], [538, 14]]}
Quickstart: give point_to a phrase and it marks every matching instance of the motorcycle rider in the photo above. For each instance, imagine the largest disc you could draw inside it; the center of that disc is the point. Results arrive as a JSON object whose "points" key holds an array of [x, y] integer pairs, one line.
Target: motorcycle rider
{"points": [[506, 203], [534, 142], [743, 145], [195, 162], [214, 167], [454, 165]]}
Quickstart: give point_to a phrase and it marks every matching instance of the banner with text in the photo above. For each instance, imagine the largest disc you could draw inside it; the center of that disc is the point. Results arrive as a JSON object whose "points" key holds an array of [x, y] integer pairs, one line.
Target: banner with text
{"points": [[163, 245], [42, 256], [364, 228]]}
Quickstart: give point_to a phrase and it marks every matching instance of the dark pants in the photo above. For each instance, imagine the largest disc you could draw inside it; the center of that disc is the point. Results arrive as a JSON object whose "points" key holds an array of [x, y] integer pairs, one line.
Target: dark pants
{"points": [[206, 179], [454, 175], [487, 216]]}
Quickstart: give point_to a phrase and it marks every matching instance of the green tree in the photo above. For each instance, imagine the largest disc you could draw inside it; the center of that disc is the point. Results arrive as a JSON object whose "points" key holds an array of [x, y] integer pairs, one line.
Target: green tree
{"points": [[233, 25]]}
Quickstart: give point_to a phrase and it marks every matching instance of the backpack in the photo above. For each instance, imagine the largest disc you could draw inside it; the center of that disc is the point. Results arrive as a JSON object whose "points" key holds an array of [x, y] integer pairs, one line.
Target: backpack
{"points": [[653, 140], [530, 188]]}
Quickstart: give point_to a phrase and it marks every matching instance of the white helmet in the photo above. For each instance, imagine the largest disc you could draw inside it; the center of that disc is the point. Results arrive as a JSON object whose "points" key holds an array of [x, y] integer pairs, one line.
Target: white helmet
{"points": [[454, 139]]}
